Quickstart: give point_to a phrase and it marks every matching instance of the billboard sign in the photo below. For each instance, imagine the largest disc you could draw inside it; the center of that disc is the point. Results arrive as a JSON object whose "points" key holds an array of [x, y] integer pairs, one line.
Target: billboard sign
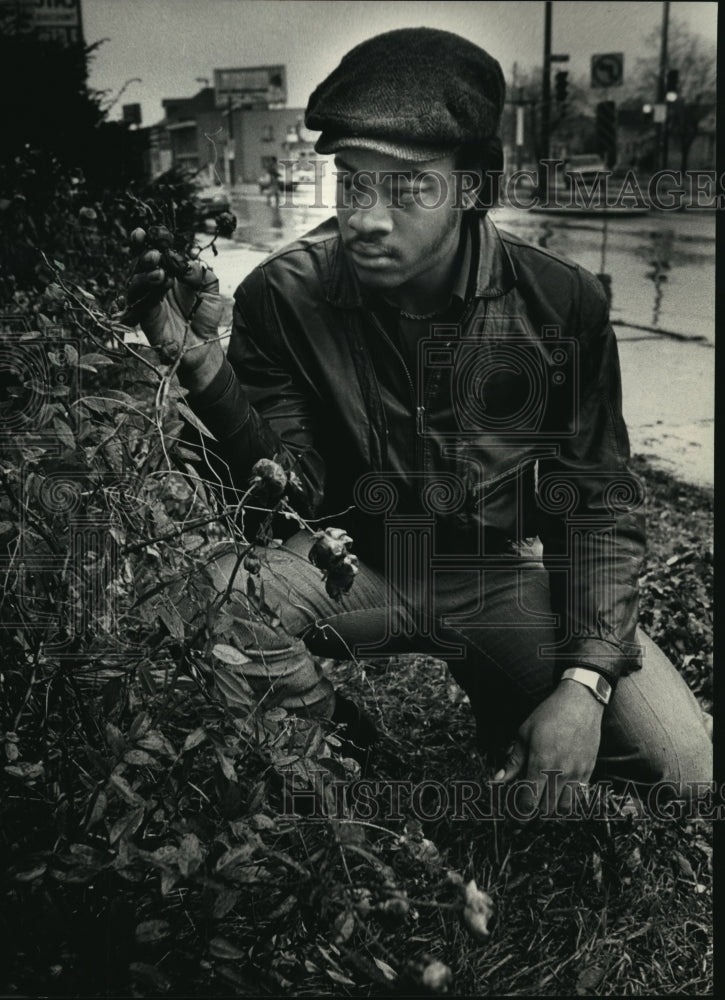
{"points": [[47, 20], [251, 86]]}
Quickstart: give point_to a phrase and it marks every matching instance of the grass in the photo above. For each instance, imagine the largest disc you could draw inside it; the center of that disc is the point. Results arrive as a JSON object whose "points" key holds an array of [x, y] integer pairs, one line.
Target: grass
{"points": [[619, 908]]}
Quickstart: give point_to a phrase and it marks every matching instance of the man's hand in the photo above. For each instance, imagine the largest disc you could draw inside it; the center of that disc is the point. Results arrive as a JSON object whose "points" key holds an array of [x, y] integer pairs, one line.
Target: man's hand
{"points": [[178, 306], [561, 734]]}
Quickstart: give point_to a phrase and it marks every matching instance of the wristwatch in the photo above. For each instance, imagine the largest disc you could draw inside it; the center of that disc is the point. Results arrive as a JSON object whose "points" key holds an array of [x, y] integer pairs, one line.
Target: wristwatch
{"points": [[598, 685]]}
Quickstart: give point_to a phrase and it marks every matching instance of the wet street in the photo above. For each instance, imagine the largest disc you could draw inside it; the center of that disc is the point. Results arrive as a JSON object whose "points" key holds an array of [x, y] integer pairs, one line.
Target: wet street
{"points": [[661, 269]]}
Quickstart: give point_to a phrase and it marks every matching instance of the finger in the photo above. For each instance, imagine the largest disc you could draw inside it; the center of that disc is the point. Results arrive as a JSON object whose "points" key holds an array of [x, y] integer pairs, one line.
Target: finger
{"points": [[148, 281], [200, 277], [137, 240], [534, 781], [566, 804], [144, 292], [149, 260], [514, 762]]}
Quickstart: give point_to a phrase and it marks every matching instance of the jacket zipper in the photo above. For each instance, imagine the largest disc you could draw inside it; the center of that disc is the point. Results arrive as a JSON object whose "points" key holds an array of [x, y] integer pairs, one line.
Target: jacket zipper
{"points": [[419, 410]]}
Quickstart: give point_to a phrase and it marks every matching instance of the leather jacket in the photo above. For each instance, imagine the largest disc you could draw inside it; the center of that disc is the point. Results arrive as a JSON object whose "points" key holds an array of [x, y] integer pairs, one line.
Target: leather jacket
{"points": [[516, 428]]}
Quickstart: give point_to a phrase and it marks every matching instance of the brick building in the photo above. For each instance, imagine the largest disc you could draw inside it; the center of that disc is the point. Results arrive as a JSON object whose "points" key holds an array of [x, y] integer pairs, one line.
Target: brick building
{"points": [[197, 134]]}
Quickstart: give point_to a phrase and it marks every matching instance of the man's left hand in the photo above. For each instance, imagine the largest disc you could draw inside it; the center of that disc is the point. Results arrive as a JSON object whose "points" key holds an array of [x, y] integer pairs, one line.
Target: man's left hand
{"points": [[562, 734]]}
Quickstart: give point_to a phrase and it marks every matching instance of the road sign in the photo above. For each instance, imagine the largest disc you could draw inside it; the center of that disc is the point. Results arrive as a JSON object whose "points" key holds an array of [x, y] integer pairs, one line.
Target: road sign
{"points": [[519, 126], [660, 114], [608, 69], [560, 58], [250, 86]]}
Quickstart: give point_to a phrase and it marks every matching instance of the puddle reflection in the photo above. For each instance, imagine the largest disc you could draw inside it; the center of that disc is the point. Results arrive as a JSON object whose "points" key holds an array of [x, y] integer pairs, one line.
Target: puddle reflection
{"points": [[658, 269]]}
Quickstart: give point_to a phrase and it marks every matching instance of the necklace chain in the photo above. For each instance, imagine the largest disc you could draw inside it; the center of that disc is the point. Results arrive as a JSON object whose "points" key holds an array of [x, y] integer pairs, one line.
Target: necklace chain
{"points": [[419, 316], [431, 315]]}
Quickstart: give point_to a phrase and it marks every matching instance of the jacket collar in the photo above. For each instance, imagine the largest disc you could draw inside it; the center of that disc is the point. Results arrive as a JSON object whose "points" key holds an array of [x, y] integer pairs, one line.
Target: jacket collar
{"points": [[496, 273]]}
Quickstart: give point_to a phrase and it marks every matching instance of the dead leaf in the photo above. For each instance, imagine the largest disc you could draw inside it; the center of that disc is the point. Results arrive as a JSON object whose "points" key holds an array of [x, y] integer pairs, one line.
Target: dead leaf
{"points": [[685, 867], [389, 973], [344, 926], [194, 739], [151, 931], [338, 977], [219, 947], [190, 854], [229, 655], [478, 911], [589, 978]]}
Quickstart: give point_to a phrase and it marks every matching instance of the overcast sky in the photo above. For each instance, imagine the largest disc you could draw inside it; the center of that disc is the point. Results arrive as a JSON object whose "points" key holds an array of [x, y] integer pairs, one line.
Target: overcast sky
{"points": [[168, 43]]}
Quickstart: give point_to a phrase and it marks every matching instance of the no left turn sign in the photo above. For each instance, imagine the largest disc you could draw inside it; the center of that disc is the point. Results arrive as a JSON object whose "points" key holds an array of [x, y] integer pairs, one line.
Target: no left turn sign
{"points": [[607, 69]]}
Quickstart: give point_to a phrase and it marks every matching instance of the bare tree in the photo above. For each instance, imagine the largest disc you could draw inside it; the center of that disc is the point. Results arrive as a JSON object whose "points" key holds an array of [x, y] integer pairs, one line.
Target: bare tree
{"points": [[565, 122], [695, 59]]}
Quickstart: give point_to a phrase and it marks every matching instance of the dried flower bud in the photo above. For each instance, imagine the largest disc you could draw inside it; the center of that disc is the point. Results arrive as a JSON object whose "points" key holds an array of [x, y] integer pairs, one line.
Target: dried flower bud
{"points": [[330, 544], [437, 977], [268, 482], [395, 909], [160, 238], [174, 264], [339, 535], [363, 900], [252, 563], [262, 822], [226, 223], [426, 850], [341, 576]]}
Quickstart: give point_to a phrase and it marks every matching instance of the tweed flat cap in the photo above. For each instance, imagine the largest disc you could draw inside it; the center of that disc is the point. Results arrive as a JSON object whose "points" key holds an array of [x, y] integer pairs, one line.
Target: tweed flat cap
{"points": [[413, 93]]}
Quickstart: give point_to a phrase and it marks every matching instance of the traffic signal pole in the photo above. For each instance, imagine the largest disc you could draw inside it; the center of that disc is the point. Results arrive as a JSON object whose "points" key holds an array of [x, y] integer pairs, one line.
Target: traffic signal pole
{"points": [[661, 94]]}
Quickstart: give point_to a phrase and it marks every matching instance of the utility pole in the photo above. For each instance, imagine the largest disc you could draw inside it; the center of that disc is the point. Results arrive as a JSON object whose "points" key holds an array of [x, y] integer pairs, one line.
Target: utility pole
{"points": [[546, 83], [231, 153], [519, 137], [520, 128], [661, 95]]}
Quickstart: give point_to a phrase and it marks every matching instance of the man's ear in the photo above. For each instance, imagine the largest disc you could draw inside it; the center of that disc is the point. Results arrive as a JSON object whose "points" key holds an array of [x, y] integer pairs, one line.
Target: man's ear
{"points": [[471, 181], [469, 200]]}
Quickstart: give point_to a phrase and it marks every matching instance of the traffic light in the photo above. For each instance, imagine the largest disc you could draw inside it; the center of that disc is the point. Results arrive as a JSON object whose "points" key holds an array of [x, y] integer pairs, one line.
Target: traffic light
{"points": [[607, 131], [673, 82], [561, 85]]}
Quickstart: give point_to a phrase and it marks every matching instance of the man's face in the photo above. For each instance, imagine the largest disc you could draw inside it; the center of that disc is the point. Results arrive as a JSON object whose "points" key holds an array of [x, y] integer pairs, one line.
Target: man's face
{"points": [[398, 220]]}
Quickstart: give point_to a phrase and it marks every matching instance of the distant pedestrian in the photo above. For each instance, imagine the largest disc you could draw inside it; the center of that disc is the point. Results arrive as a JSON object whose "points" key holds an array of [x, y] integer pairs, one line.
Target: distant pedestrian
{"points": [[275, 183]]}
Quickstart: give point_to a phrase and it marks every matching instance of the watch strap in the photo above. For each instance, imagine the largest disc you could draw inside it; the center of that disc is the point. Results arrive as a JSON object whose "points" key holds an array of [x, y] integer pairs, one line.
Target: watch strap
{"points": [[598, 685]]}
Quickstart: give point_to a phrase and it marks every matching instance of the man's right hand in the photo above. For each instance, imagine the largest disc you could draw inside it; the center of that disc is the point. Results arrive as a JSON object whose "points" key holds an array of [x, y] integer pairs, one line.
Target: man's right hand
{"points": [[179, 315]]}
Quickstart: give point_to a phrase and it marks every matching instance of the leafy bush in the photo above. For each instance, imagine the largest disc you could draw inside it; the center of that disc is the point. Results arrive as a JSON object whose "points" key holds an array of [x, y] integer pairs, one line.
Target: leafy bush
{"points": [[141, 815]]}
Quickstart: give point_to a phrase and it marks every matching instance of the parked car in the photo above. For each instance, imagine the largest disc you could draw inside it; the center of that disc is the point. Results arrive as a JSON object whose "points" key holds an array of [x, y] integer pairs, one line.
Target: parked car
{"points": [[587, 165]]}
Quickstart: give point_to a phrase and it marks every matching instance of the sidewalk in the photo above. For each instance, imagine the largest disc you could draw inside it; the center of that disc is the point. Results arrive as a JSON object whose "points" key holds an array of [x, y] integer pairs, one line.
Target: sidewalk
{"points": [[668, 386], [668, 391]]}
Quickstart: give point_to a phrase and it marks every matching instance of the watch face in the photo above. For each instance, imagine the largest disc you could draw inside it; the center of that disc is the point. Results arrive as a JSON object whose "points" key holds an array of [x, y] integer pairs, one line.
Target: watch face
{"points": [[603, 688]]}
